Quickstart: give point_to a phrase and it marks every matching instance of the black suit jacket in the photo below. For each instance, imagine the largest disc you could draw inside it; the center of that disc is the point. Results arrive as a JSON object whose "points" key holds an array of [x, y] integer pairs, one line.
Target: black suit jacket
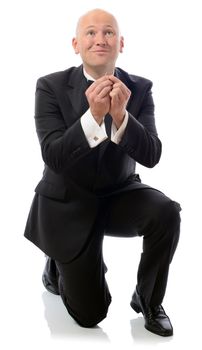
{"points": [[76, 176]]}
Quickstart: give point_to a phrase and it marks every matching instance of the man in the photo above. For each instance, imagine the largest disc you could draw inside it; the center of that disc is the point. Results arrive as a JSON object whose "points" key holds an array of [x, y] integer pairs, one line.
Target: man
{"points": [[94, 122]]}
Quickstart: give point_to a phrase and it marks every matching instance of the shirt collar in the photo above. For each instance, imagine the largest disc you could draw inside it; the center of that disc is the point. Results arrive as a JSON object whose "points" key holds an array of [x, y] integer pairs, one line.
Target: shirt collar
{"points": [[88, 76]]}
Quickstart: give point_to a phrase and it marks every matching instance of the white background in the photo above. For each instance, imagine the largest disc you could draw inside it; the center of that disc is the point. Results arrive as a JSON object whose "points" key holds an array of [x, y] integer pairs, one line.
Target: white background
{"points": [[162, 43]]}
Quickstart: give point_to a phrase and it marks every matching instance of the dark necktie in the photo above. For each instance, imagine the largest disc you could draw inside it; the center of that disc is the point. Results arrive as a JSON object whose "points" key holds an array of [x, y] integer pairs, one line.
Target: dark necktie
{"points": [[89, 82], [108, 124]]}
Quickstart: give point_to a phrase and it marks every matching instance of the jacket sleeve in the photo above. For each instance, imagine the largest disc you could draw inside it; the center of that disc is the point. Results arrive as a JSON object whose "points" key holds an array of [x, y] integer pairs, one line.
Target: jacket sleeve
{"points": [[140, 140], [61, 147]]}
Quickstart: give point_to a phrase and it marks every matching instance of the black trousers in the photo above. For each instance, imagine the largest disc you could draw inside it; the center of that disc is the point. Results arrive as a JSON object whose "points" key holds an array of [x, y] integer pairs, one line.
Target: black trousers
{"points": [[145, 212]]}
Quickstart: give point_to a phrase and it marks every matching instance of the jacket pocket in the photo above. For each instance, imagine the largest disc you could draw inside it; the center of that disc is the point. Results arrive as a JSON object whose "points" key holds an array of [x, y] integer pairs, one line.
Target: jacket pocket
{"points": [[48, 189]]}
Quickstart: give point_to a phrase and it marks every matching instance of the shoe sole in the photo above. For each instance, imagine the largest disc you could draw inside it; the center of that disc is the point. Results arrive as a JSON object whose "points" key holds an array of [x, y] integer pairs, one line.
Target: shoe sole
{"points": [[135, 307], [162, 334], [45, 283]]}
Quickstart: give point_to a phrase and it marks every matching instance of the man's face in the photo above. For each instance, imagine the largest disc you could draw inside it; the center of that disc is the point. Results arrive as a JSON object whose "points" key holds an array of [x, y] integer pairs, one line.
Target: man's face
{"points": [[98, 40]]}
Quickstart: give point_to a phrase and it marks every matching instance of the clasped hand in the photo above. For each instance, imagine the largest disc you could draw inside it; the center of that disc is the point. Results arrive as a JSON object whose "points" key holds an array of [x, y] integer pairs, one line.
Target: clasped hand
{"points": [[108, 95]]}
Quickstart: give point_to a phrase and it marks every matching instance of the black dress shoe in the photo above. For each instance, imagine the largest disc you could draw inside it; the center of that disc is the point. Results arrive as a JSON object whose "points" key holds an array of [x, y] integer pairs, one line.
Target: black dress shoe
{"points": [[156, 320], [50, 277], [50, 286]]}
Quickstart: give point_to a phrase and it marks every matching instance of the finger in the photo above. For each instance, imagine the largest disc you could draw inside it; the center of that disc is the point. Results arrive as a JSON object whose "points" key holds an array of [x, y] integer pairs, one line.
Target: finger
{"points": [[96, 88], [104, 92], [101, 80], [114, 79], [117, 89], [121, 94], [116, 96], [122, 87], [99, 97]]}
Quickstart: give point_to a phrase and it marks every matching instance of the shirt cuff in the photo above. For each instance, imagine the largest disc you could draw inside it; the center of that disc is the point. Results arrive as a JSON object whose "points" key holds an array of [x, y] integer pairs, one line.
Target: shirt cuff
{"points": [[95, 133], [117, 134]]}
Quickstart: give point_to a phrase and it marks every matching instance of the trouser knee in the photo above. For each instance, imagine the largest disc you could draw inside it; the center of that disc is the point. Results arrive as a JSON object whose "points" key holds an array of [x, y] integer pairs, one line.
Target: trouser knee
{"points": [[86, 315], [172, 220], [163, 226], [90, 320], [169, 229], [166, 217], [173, 227], [86, 308]]}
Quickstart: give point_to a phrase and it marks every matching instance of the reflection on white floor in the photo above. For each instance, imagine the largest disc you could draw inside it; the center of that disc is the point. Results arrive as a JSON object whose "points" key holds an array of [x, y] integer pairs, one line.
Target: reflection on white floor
{"points": [[33, 318]]}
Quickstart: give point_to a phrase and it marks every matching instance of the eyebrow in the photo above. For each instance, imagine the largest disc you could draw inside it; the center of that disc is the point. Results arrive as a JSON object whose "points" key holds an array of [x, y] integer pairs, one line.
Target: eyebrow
{"points": [[94, 26]]}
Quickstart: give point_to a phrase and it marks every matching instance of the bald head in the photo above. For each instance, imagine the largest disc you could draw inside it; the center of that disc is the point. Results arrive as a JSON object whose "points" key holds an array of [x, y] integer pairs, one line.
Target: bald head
{"points": [[98, 42], [95, 16]]}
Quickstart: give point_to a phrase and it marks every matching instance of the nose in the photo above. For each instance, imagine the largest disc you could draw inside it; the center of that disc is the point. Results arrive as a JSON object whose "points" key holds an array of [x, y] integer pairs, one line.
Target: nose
{"points": [[101, 39]]}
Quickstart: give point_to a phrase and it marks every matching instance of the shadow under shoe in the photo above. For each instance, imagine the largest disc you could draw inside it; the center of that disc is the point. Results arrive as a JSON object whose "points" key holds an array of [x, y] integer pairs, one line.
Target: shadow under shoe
{"points": [[50, 277], [156, 320]]}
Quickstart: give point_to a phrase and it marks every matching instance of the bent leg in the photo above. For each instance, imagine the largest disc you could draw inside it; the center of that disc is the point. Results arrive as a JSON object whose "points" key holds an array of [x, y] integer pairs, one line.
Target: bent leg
{"points": [[83, 287], [148, 213], [161, 236]]}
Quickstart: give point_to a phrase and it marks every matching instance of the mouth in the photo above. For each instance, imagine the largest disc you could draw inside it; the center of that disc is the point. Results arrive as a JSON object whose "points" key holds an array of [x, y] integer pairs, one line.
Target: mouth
{"points": [[100, 51]]}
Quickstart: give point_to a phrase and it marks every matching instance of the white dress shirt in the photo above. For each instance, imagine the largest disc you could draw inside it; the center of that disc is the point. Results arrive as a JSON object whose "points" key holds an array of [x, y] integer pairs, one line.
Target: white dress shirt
{"points": [[95, 133]]}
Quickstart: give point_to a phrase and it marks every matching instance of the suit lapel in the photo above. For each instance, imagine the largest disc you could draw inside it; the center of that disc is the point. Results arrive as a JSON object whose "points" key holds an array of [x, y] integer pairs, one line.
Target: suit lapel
{"points": [[125, 78], [77, 86]]}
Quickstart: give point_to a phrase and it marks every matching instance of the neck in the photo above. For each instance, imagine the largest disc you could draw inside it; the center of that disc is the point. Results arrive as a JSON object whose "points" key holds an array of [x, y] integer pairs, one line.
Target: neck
{"points": [[98, 72]]}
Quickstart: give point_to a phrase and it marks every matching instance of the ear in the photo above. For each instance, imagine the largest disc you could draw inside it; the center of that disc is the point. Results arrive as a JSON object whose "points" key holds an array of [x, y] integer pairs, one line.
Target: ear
{"points": [[121, 44], [75, 45]]}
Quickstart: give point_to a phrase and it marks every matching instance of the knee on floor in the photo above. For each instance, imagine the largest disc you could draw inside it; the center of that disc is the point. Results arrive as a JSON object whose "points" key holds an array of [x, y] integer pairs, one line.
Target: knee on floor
{"points": [[89, 320]]}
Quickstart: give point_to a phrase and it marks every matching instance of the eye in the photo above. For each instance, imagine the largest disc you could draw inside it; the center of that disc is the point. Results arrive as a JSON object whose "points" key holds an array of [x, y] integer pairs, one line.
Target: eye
{"points": [[109, 33], [91, 33]]}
